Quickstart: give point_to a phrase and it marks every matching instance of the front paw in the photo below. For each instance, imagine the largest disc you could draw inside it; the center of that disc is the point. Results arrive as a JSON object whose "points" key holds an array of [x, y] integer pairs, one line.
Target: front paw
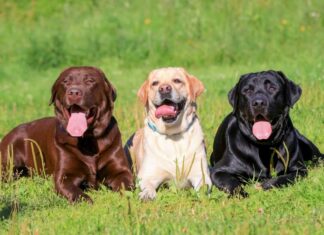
{"points": [[268, 184], [243, 194], [81, 198], [147, 195], [237, 192], [125, 182]]}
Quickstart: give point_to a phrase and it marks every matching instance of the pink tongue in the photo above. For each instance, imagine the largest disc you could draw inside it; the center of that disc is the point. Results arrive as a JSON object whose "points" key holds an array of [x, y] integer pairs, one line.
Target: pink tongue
{"points": [[165, 110], [262, 130], [77, 124]]}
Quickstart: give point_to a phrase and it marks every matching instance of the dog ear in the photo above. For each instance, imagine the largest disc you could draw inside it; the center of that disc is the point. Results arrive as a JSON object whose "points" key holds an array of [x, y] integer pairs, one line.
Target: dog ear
{"points": [[55, 88], [143, 92], [233, 96], [113, 92], [293, 91], [110, 90], [196, 86], [54, 92]]}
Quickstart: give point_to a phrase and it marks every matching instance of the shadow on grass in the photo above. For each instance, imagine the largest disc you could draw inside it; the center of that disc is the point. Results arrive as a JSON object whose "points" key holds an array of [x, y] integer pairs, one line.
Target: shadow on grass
{"points": [[12, 207]]}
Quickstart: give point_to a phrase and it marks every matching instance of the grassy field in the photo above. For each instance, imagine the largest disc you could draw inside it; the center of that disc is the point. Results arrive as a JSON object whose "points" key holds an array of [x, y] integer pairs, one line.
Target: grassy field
{"points": [[217, 41]]}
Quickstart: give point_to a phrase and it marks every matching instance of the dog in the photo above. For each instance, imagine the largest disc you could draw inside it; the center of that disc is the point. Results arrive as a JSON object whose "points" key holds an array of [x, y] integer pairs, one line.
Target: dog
{"points": [[171, 144], [81, 146], [258, 140]]}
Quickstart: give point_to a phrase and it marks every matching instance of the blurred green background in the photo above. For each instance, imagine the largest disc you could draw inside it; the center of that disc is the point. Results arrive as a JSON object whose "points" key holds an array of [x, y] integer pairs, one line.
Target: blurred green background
{"points": [[54, 34]]}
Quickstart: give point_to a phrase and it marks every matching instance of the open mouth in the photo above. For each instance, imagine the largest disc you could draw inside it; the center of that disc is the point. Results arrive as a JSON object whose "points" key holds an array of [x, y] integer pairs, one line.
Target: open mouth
{"points": [[261, 128], [78, 119], [169, 110], [260, 117], [89, 113]]}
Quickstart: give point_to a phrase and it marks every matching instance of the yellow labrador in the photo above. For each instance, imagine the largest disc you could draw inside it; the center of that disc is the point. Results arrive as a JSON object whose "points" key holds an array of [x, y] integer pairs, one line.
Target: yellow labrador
{"points": [[171, 144]]}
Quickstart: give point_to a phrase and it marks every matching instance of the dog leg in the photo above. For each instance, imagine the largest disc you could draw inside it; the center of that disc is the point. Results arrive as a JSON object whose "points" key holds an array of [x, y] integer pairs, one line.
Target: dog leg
{"points": [[228, 183], [69, 187], [150, 177], [122, 181], [200, 176], [282, 180], [116, 176], [148, 189], [199, 181], [149, 181]]}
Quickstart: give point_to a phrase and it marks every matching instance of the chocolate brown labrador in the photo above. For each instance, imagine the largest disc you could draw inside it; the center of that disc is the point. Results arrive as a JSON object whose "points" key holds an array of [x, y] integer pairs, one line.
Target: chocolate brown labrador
{"points": [[81, 147]]}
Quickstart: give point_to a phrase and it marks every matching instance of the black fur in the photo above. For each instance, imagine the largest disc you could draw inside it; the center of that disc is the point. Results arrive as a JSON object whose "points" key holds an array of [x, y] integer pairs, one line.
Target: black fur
{"points": [[238, 156], [127, 147]]}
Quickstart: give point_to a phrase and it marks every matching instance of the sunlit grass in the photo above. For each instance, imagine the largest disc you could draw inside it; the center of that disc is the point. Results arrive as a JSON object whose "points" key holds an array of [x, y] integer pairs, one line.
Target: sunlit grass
{"points": [[216, 41]]}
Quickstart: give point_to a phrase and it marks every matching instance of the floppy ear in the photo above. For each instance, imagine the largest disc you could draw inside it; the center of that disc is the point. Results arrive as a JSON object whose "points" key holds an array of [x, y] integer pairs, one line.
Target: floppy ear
{"points": [[53, 96], [196, 87], [143, 92], [110, 90], [113, 93], [233, 96], [54, 90], [293, 91]]}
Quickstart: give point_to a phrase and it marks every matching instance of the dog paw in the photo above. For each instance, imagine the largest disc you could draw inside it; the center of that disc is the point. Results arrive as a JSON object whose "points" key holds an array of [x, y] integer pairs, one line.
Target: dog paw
{"points": [[267, 185], [147, 195], [81, 198], [237, 192], [243, 194]]}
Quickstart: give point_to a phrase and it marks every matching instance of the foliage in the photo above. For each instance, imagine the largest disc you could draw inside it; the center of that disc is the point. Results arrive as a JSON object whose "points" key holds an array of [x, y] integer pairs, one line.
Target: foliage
{"points": [[214, 40]]}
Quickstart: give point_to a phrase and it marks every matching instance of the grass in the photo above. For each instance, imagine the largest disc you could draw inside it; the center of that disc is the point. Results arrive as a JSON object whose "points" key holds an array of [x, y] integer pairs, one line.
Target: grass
{"points": [[216, 41]]}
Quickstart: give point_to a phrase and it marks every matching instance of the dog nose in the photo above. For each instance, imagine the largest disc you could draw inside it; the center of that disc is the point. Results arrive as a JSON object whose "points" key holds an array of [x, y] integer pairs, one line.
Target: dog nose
{"points": [[74, 93], [259, 103], [165, 89]]}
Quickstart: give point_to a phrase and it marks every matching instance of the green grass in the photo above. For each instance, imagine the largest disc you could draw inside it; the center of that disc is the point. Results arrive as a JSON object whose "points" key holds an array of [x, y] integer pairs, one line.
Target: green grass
{"points": [[214, 40]]}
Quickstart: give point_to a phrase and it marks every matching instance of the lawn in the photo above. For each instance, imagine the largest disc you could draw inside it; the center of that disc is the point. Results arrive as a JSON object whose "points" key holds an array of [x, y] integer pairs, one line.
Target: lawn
{"points": [[216, 41]]}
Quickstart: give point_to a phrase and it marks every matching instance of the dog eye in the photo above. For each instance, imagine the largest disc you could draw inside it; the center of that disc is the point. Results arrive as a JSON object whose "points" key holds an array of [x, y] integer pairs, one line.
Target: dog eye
{"points": [[155, 83], [66, 81], [89, 81], [272, 88], [177, 80], [248, 90]]}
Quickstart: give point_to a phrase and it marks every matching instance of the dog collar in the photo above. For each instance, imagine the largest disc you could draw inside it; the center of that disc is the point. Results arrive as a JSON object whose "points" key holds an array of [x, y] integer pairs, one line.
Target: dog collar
{"points": [[153, 127]]}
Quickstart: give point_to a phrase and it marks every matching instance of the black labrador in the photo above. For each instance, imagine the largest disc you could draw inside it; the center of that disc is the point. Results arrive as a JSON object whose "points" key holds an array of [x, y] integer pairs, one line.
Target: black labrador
{"points": [[258, 140]]}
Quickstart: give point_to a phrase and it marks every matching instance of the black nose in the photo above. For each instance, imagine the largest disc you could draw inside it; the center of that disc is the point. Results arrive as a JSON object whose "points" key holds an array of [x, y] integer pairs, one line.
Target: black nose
{"points": [[165, 89], [259, 103], [74, 93]]}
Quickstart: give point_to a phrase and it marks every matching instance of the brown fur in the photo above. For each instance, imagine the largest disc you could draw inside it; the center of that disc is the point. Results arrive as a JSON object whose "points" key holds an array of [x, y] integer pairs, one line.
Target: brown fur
{"points": [[76, 163]]}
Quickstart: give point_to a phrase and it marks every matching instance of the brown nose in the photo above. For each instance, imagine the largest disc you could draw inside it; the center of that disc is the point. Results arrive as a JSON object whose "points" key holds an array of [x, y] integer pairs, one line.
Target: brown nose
{"points": [[165, 89], [74, 94]]}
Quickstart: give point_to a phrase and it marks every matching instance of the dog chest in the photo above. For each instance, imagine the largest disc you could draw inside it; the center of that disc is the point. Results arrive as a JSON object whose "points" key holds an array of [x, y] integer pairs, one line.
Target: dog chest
{"points": [[173, 147]]}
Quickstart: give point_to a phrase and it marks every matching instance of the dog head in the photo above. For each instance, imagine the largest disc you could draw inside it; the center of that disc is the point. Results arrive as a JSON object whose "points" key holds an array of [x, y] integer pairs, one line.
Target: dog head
{"points": [[169, 95], [83, 100], [262, 101]]}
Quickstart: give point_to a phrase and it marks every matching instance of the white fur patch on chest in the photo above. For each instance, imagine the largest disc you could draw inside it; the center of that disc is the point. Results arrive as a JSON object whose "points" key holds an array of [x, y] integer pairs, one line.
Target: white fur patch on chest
{"points": [[174, 151]]}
